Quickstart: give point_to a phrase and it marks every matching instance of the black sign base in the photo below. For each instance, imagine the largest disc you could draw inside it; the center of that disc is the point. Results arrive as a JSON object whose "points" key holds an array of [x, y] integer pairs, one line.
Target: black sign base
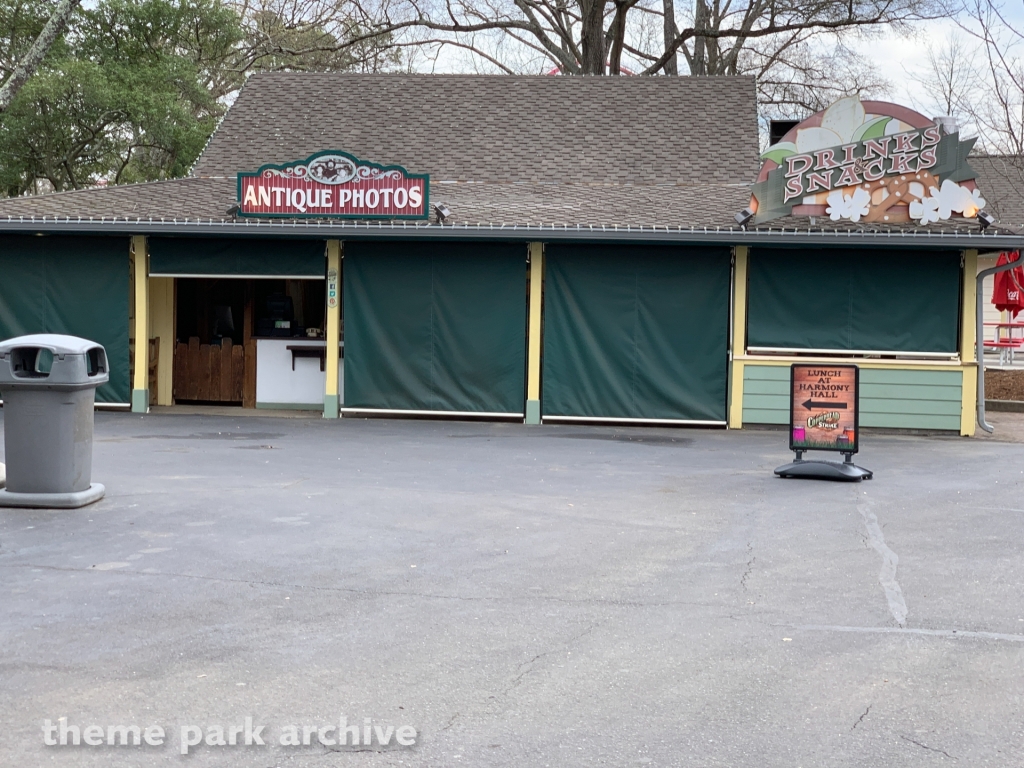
{"points": [[818, 469]]}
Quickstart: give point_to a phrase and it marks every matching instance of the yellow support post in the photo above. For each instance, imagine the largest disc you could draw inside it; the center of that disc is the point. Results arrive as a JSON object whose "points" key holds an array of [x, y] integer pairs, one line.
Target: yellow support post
{"points": [[140, 383], [739, 336], [536, 254], [968, 341], [332, 400], [161, 325]]}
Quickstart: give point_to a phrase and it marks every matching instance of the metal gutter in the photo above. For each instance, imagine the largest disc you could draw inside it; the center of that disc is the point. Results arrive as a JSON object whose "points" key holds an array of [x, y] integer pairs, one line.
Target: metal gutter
{"points": [[520, 232]]}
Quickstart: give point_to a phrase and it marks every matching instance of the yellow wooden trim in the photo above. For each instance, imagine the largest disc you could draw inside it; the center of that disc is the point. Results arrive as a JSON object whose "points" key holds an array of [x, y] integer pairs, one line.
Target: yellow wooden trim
{"points": [[333, 330], [140, 262], [905, 365], [968, 321], [968, 412], [161, 326], [536, 251], [968, 343], [739, 301], [739, 336], [736, 395]]}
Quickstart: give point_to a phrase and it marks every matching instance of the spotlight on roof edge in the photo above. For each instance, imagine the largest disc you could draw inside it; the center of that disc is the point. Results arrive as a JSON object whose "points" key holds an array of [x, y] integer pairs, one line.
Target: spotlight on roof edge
{"points": [[985, 220], [744, 216], [442, 211]]}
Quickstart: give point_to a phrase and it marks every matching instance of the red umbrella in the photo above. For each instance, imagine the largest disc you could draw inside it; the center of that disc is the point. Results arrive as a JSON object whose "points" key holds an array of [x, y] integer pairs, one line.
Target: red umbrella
{"points": [[1008, 286]]}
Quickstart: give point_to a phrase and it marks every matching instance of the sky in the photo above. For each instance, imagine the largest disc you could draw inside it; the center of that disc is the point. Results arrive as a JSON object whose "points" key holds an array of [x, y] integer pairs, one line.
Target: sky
{"points": [[903, 60]]}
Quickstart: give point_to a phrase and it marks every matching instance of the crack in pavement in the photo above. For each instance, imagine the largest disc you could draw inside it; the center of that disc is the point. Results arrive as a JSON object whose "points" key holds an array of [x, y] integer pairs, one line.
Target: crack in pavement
{"points": [[566, 645], [750, 567], [861, 718], [925, 746], [890, 561]]}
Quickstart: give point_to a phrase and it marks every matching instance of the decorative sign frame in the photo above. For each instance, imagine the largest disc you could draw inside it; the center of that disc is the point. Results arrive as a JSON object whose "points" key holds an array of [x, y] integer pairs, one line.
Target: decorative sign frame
{"points": [[333, 184], [824, 408]]}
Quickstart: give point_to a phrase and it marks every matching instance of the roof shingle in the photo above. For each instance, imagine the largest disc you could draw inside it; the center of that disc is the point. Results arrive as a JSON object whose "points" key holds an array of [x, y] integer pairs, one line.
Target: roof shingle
{"points": [[498, 128], [534, 152], [471, 203]]}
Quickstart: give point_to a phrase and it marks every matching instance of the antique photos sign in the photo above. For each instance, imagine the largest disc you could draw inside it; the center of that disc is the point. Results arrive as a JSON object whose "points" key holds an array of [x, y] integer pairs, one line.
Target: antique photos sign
{"points": [[334, 185]]}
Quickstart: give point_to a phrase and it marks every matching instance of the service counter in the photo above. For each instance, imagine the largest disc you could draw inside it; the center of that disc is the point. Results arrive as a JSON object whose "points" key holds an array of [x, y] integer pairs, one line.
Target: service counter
{"points": [[290, 373]]}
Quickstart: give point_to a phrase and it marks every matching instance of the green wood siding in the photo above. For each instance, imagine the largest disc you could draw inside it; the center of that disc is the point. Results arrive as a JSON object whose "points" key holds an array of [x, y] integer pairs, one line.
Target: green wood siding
{"points": [[888, 398]]}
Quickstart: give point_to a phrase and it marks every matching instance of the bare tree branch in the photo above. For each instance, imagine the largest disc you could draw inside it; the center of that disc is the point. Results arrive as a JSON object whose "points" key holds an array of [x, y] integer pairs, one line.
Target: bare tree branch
{"points": [[34, 57]]}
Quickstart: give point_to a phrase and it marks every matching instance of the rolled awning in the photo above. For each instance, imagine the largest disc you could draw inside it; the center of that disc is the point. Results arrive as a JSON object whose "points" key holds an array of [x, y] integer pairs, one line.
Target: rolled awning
{"points": [[236, 257]]}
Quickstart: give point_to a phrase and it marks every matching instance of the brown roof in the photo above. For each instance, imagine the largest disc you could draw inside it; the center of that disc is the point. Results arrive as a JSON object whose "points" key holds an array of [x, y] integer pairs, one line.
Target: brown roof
{"points": [[1001, 182], [209, 199], [498, 128], [666, 158], [588, 151], [176, 199]]}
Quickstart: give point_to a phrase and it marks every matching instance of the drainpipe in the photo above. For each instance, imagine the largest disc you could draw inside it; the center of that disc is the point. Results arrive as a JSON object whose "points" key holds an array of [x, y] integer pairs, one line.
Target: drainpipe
{"points": [[979, 335]]}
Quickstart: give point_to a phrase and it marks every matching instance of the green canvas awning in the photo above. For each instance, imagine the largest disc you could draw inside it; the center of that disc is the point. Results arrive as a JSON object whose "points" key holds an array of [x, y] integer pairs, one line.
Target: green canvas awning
{"points": [[435, 327], [636, 332], [854, 300], [236, 257], [72, 285]]}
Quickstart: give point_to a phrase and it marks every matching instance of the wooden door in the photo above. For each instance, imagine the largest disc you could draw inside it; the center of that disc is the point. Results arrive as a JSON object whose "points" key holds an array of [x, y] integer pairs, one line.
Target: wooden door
{"points": [[209, 372]]}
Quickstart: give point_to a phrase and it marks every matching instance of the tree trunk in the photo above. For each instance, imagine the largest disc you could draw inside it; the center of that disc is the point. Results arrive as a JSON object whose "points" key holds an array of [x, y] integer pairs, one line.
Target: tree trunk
{"points": [[671, 33], [592, 36], [31, 61], [701, 16], [618, 37]]}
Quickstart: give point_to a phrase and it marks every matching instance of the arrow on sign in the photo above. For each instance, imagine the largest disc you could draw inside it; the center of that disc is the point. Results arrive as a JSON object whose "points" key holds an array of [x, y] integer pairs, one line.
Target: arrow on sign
{"points": [[812, 404]]}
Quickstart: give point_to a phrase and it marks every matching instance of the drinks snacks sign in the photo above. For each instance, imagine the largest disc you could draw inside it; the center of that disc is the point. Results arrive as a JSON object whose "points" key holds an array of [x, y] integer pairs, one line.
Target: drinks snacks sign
{"points": [[868, 161], [333, 185], [823, 408]]}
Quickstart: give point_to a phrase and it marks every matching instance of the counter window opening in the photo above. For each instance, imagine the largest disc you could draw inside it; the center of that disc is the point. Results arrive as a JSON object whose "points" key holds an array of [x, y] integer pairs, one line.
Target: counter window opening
{"points": [[221, 323]]}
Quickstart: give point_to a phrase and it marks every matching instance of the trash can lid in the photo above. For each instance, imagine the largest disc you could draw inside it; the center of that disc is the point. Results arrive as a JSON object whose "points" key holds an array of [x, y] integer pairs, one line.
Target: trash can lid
{"points": [[57, 343]]}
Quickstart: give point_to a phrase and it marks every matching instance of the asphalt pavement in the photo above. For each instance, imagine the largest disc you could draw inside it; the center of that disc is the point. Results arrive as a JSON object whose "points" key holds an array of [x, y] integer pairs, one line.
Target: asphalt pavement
{"points": [[516, 596]]}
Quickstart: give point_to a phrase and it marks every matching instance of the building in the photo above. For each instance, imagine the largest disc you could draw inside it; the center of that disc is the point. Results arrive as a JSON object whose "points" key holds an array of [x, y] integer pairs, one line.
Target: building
{"points": [[566, 249]]}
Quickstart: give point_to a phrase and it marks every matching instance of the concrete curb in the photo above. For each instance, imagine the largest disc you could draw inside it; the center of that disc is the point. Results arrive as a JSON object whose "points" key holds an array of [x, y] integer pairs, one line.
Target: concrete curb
{"points": [[1011, 406]]}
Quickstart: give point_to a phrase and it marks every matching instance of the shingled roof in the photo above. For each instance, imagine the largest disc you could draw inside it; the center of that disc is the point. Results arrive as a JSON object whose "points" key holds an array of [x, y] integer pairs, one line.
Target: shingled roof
{"points": [[518, 204], [666, 159], [1001, 181], [499, 128]]}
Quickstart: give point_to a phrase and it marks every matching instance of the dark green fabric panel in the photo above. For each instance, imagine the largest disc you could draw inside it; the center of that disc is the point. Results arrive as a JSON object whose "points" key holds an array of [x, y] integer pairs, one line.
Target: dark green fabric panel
{"points": [[387, 306], [240, 256], [636, 332], [435, 327], [72, 285], [884, 300]]}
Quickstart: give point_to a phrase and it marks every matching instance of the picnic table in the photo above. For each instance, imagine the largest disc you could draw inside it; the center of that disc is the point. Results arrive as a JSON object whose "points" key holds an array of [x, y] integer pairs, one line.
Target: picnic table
{"points": [[1004, 339]]}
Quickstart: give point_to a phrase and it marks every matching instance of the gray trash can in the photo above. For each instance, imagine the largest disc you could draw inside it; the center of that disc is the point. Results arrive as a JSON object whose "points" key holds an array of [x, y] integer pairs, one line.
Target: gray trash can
{"points": [[48, 385]]}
